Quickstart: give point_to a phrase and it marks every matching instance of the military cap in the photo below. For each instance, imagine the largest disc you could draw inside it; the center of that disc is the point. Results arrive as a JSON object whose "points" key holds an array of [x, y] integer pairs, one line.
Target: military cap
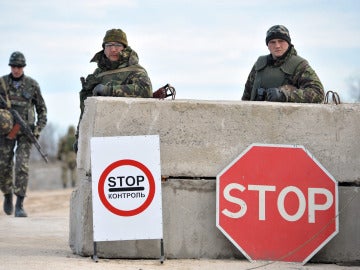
{"points": [[278, 31], [115, 35]]}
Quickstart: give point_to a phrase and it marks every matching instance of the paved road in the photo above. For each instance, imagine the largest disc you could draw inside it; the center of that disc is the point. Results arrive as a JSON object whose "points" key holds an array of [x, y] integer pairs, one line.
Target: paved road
{"points": [[41, 242]]}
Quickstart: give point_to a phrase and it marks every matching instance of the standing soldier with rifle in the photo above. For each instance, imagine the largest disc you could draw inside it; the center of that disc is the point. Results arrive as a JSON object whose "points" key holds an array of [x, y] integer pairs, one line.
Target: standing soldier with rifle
{"points": [[22, 118], [282, 75]]}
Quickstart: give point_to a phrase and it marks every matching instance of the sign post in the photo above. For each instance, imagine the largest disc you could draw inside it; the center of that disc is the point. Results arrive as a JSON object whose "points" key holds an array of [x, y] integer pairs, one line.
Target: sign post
{"points": [[277, 203], [126, 189]]}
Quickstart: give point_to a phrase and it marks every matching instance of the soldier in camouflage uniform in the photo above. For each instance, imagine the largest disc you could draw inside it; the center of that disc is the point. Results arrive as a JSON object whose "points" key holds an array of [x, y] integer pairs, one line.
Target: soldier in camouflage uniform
{"points": [[23, 94], [282, 76], [118, 73], [67, 156]]}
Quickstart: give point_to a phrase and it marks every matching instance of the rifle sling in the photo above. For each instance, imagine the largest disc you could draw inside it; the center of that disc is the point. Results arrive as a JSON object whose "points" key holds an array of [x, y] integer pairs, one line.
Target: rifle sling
{"points": [[120, 70]]}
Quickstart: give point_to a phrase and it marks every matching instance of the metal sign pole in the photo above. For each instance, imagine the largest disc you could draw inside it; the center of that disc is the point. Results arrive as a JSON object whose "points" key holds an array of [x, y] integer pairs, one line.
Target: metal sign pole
{"points": [[94, 256], [162, 256]]}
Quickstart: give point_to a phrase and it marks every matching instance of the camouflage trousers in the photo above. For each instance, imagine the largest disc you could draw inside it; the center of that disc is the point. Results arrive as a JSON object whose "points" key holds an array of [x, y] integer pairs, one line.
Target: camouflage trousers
{"points": [[68, 166], [20, 147], [67, 169]]}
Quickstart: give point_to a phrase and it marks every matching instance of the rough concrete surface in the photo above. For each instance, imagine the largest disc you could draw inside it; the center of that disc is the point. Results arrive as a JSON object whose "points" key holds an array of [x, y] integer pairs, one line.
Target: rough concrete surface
{"points": [[198, 139], [41, 240]]}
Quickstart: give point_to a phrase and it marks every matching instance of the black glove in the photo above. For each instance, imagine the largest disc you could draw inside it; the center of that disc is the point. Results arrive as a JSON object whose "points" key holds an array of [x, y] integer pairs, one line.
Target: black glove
{"points": [[101, 90], [260, 94], [275, 94]]}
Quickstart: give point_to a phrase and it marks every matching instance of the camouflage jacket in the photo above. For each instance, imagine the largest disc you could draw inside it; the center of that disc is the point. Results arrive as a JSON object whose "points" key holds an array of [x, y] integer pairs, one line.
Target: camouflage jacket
{"points": [[26, 98], [125, 78], [66, 144], [302, 86]]}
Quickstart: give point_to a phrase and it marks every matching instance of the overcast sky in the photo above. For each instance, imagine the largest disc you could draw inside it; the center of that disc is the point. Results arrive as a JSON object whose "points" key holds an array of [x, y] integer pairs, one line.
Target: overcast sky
{"points": [[204, 48]]}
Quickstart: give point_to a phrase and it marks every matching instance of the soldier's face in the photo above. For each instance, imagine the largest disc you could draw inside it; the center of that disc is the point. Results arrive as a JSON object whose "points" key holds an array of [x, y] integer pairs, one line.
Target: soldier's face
{"points": [[277, 47], [17, 72], [112, 50]]}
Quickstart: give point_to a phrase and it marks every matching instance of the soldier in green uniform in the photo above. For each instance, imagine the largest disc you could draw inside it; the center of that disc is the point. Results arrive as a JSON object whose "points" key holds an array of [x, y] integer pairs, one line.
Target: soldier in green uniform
{"points": [[67, 156], [282, 76], [118, 72], [22, 94]]}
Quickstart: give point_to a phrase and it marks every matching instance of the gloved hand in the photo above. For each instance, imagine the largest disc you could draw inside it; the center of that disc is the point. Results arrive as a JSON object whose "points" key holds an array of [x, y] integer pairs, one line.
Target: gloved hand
{"points": [[36, 132], [275, 94], [160, 93], [260, 94], [101, 90]]}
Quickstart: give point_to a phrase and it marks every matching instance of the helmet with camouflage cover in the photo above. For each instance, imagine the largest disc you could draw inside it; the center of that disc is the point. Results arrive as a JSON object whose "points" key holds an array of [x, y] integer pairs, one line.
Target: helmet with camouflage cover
{"points": [[17, 59], [278, 31], [6, 122]]}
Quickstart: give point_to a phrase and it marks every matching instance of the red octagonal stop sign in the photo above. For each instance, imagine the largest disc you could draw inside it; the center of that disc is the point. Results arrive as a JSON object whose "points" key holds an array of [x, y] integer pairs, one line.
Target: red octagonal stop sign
{"points": [[277, 202]]}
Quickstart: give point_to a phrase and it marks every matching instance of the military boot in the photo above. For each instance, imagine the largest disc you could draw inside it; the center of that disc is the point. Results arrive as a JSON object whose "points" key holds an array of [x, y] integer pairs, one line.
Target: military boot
{"points": [[8, 204], [19, 210]]}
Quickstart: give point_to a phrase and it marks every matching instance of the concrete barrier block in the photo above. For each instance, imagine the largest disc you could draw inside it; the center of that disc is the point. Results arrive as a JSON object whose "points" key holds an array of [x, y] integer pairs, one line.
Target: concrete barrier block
{"points": [[344, 247], [189, 216], [199, 138], [81, 231]]}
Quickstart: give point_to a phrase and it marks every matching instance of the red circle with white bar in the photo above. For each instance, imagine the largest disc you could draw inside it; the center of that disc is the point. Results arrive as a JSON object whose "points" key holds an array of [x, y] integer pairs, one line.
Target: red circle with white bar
{"points": [[112, 167]]}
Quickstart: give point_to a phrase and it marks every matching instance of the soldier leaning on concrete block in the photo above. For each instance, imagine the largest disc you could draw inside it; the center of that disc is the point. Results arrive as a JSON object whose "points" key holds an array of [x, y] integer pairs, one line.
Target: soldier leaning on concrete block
{"points": [[282, 76], [118, 72]]}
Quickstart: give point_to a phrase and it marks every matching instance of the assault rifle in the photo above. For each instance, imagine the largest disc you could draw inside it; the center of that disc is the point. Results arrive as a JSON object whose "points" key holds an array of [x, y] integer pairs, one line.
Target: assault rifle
{"points": [[88, 85], [19, 123]]}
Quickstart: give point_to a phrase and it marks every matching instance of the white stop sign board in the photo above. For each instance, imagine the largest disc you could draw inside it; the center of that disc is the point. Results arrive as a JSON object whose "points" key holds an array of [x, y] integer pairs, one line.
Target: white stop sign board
{"points": [[277, 203], [126, 188]]}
